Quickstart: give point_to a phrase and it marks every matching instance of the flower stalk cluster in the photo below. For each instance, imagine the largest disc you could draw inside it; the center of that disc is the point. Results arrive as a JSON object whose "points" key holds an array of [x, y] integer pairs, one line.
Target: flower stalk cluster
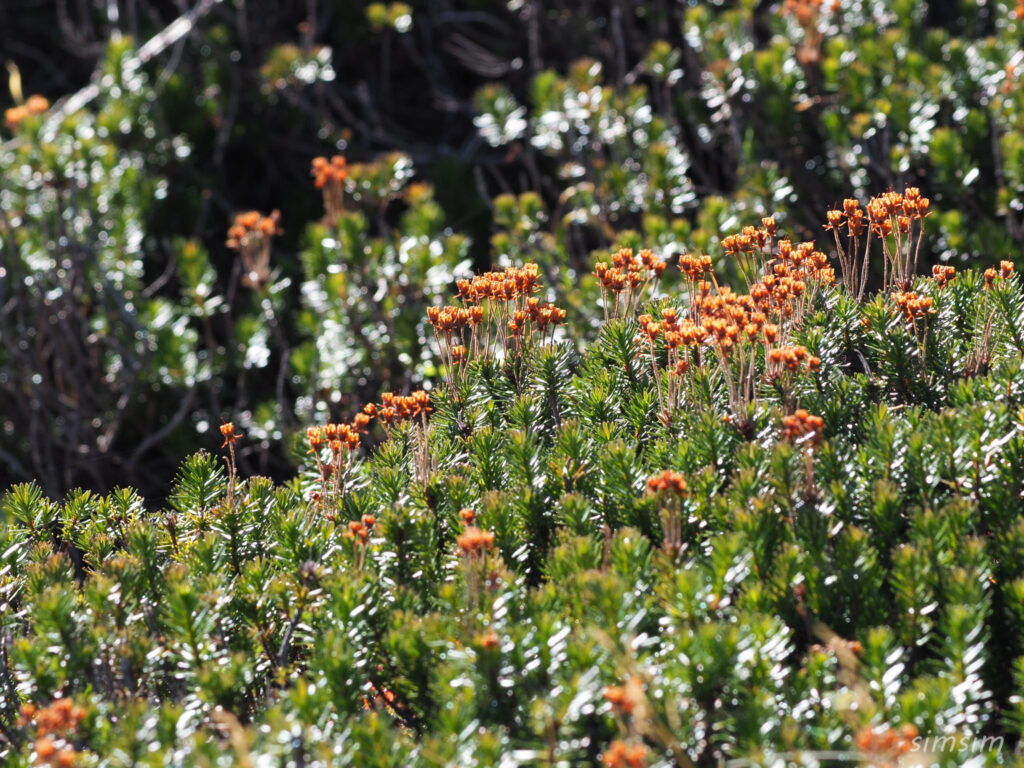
{"points": [[498, 312], [979, 358], [748, 333], [897, 219], [626, 280], [252, 235], [333, 447], [329, 177], [670, 489], [805, 430], [412, 408], [359, 534], [56, 726], [474, 546]]}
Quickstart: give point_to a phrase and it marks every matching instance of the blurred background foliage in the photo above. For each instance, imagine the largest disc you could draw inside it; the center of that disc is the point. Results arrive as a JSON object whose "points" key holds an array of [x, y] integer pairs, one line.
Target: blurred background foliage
{"points": [[477, 133]]}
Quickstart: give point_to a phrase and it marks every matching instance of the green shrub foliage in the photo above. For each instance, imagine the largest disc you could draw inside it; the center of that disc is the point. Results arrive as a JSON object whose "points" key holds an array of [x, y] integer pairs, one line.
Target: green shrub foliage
{"points": [[479, 133], [499, 582], [752, 497]]}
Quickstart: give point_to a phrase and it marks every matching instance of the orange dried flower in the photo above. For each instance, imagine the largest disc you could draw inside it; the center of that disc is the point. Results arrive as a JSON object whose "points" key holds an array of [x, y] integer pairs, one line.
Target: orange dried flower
{"points": [[330, 171], [315, 438], [330, 175], [668, 481], [35, 105], [251, 235], [913, 306], [624, 698], [230, 436], [886, 741], [402, 408], [621, 755], [804, 427], [45, 748], [473, 540], [943, 274]]}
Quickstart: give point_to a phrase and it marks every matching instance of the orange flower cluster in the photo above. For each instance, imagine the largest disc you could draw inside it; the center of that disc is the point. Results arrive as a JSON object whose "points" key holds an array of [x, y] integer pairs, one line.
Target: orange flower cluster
{"points": [[979, 358], [338, 437], [446, 320], [330, 175], [729, 318], [896, 218], [779, 275], [738, 325], [750, 239], [782, 279], [887, 742], [473, 541], [359, 530], [230, 436], [62, 717], [679, 336], [814, 264], [807, 14], [251, 235], [676, 332], [627, 277], [694, 267], [468, 516], [394, 408], [894, 215], [804, 427], [852, 217], [333, 171], [892, 211], [943, 274], [852, 264], [544, 315], [667, 481], [804, 10], [624, 698], [497, 306], [912, 306], [55, 727], [342, 440], [1005, 272], [622, 755], [512, 284], [752, 248], [414, 409], [791, 359], [450, 319], [784, 288], [35, 105], [253, 224], [489, 641], [670, 488]]}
